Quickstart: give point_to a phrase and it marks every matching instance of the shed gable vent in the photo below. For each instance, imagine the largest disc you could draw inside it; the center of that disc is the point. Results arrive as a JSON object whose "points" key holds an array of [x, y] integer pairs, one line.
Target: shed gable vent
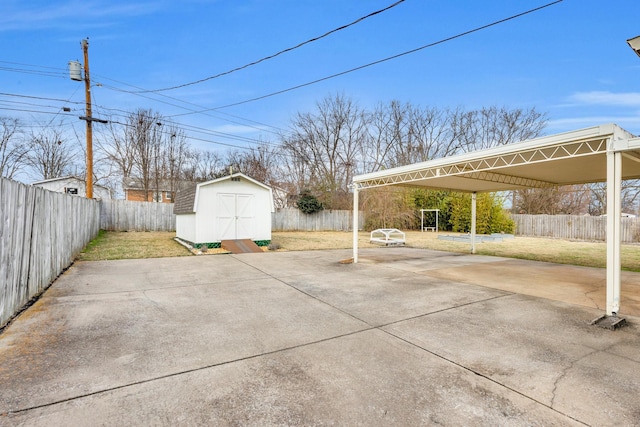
{"points": [[235, 179]]}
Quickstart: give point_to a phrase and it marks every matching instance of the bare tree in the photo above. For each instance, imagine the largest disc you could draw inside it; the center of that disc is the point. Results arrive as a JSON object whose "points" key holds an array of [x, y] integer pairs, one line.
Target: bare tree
{"points": [[538, 201], [629, 197], [50, 154], [118, 150], [202, 166], [294, 173], [388, 207], [136, 148], [260, 163], [383, 137], [147, 149], [143, 131], [175, 155], [420, 134], [492, 126], [328, 143], [12, 149]]}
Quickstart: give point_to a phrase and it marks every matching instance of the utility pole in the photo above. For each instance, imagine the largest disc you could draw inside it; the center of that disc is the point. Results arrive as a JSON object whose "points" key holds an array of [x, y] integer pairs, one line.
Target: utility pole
{"points": [[88, 119], [75, 74]]}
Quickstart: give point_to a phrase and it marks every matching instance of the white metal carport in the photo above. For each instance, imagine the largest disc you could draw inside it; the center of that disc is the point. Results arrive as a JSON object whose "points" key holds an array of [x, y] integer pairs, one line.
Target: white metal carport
{"points": [[601, 153]]}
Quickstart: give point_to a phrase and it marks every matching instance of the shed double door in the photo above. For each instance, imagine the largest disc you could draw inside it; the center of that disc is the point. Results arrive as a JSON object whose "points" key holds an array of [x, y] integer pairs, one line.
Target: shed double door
{"points": [[235, 216]]}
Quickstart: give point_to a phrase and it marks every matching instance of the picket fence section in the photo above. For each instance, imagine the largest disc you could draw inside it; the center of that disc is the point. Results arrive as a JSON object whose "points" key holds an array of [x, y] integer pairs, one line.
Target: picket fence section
{"points": [[292, 219], [41, 233], [574, 227], [124, 215]]}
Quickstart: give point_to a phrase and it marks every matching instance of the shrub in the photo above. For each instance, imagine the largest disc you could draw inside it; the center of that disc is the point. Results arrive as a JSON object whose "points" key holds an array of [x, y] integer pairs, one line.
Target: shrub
{"points": [[308, 203]]}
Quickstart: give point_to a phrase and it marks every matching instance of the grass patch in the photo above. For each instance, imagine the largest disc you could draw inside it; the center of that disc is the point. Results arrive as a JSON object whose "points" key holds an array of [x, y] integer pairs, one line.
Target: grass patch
{"points": [[587, 254], [110, 245]]}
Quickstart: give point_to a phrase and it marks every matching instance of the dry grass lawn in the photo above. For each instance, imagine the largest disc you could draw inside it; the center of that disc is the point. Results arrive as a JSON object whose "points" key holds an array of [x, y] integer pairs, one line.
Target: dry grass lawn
{"points": [[122, 245], [589, 254], [132, 245]]}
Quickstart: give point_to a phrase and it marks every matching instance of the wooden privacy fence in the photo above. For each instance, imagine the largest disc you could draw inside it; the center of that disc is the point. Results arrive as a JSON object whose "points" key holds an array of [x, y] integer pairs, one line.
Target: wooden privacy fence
{"points": [[124, 215], [41, 233], [574, 227], [292, 219]]}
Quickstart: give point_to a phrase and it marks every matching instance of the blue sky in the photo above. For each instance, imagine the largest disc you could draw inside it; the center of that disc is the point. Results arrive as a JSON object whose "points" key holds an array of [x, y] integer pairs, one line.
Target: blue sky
{"points": [[569, 60]]}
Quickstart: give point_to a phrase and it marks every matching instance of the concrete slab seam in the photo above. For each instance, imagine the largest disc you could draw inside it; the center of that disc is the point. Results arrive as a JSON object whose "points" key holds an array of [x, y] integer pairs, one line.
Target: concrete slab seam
{"points": [[483, 376], [304, 293], [380, 328], [187, 371]]}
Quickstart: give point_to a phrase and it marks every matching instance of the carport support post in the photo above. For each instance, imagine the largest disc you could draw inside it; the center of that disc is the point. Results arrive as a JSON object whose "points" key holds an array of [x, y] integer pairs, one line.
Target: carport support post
{"points": [[473, 222], [614, 209], [355, 223]]}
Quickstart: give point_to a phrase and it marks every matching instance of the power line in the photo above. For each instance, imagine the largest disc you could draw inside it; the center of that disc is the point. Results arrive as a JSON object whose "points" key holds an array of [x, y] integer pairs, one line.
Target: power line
{"points": [[188, 129], [34, 66], [289, 49], [192, 111], [125, 114], [34, 72], [33, 111], [191, 137], [31, 104], [33, 69], [63, 73], [376, 62], [40, 97], [37, 108], [32, 107]]}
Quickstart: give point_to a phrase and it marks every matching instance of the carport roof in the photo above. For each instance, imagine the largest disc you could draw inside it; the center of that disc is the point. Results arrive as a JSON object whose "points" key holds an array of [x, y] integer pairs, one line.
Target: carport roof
{"points": [[568, 158]]}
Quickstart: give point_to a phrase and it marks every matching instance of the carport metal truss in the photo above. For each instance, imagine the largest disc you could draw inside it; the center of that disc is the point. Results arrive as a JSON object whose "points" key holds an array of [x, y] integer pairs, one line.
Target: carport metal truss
{"points": [[482, 169]]}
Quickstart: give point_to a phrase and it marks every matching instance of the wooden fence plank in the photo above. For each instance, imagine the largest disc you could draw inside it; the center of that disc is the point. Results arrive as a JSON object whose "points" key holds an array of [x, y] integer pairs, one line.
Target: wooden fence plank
{"points": [[40, 235], [292, 219], [574, 227], [124, 215]]}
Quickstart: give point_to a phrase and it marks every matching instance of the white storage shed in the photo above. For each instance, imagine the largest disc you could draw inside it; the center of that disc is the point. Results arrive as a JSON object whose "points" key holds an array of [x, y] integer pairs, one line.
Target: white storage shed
{"points": [[233, 207]]}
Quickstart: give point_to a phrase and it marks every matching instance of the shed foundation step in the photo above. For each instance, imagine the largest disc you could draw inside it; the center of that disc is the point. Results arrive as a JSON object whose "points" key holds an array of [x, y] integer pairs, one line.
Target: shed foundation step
{"points": [[240, 246]]}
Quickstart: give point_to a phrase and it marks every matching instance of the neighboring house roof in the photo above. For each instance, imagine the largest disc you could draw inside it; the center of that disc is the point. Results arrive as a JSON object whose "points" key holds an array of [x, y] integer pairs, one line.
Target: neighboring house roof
{"points": [[68, 177], [132, 183], [186, 198]]}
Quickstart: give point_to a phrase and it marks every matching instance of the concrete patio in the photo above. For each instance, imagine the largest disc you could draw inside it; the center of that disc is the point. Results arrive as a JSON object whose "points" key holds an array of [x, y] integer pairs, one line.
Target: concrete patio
{"points": [[405, 337]]}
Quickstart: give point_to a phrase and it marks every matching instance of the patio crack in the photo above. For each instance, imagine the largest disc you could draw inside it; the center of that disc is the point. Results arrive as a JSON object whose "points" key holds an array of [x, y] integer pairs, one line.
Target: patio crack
{"points": [[153, 302], [564, 373], [595, 288]]}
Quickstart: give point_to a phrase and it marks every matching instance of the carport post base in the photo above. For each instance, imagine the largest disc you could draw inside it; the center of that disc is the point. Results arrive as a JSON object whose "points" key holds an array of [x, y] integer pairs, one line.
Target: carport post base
{"points": [[609, 322]]}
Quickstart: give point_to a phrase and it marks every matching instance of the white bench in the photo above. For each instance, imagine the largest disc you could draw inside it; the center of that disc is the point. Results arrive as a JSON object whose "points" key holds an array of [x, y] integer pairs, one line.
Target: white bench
{"points": [[388, 236]]}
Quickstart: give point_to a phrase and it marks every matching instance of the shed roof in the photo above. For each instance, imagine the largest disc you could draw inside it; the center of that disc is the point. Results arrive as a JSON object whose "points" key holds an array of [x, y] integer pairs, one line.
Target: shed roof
{"points": [[185, 198]]}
